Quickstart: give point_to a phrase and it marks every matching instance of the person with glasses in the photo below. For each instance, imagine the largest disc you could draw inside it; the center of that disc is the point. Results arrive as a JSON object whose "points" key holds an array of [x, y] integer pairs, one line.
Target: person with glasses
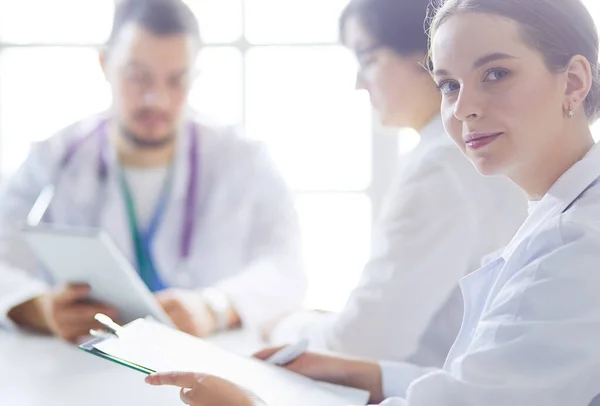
{"points": [[440, 217], [201, 212]]}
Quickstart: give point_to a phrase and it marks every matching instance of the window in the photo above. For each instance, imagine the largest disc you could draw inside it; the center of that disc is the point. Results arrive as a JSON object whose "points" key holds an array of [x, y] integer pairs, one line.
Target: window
{"points": [[283, 110], [56, 85], [292, 21], [274, 66]]}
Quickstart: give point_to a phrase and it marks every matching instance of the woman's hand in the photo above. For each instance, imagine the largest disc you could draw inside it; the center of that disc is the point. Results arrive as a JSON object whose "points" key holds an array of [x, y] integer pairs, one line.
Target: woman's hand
{"points": [[342, 371], [205, 390]]}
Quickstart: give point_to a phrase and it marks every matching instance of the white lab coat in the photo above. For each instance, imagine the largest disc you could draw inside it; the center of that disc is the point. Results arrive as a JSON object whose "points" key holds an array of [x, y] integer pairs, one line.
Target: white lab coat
{"points": [[246, 241], [531, 329], [438, 221]]}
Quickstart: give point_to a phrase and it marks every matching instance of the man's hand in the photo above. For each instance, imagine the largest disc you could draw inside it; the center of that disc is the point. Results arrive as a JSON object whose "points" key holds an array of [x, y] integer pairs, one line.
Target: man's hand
{"points": [[188, 311], [65, 313]]}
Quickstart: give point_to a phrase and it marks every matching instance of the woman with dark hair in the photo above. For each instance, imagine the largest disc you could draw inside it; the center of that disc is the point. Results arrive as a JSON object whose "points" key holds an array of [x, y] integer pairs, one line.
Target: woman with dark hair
{"points": [[440, 216], [520, 86]]}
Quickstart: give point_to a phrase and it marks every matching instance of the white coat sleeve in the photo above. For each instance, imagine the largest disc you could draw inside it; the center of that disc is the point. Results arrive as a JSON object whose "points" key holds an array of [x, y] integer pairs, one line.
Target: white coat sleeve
{"points": [[414, 268], [17, 265], [536, 344], [273, 282]]}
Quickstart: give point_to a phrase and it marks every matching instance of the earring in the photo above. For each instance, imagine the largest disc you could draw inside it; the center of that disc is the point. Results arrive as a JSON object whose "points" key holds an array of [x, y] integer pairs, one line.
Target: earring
{"points": [[570, 113]]}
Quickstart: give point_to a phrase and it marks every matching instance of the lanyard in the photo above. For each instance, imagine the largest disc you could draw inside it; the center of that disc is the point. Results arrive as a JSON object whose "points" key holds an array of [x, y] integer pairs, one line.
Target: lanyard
{"points": [[188, 226], [142, 239]]}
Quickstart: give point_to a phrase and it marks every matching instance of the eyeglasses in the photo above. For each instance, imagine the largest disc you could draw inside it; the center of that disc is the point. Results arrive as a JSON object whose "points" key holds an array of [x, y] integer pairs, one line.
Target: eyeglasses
{"points": [[144, 81], [363, 55]]}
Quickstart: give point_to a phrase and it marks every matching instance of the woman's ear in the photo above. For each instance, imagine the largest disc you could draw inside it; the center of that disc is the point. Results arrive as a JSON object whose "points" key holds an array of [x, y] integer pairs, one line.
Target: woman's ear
{"points": [[579, 81]]}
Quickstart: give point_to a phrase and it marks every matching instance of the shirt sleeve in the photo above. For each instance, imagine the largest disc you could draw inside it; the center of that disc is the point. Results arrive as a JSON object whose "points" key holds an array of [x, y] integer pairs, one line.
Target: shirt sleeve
{"points": [[419, 255], [17, 264], [536, 343], [273, 282]]}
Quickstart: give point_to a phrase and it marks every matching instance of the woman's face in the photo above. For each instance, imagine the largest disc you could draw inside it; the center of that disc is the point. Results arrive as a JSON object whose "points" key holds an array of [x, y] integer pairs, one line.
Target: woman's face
{"points": [[394, 82], [500, 103]]}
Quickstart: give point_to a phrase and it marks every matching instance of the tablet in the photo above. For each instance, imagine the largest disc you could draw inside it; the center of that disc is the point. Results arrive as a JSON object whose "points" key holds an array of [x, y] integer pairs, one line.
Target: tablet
{"points": [[82, 255]]}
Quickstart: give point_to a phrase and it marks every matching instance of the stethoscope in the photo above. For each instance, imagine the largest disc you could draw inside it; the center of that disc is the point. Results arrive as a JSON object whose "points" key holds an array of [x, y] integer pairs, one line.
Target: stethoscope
{"points": [[188, 228]]}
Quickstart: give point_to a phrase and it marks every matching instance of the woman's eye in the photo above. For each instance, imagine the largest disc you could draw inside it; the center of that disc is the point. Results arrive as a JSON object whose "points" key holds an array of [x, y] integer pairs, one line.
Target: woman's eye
{"points": [[448, 86], [495, 75], [364, 62]]}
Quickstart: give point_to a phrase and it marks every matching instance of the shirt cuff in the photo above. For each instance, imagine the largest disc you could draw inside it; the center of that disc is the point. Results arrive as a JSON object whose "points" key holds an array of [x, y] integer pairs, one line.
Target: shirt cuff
{"points": [[308, 324], [396, 377]]}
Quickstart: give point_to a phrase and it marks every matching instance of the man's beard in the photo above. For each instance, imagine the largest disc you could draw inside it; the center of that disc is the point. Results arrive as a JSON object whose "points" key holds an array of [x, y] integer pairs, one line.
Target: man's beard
{"points": [[142, 143]]}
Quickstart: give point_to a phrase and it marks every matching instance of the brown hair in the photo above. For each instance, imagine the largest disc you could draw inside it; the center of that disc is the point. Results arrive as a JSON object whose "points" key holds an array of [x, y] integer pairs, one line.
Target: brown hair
{"points": [[395, 24], [161, 17], [558, 29]]}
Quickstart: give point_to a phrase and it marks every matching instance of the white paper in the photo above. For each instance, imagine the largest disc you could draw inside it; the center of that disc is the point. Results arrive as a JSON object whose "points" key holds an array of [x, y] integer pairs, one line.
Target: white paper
{"points": [[162, 349]]}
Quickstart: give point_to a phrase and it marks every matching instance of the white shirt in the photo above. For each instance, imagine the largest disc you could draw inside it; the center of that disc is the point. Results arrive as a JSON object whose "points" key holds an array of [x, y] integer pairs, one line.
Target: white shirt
{"points": [[531, 329], [146, 186], [246, 241], [531, 205], [439, 219]]}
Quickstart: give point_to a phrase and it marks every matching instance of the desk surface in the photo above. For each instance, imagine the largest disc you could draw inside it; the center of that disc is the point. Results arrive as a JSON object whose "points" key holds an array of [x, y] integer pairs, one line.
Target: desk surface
{"points": [[45, 371]]}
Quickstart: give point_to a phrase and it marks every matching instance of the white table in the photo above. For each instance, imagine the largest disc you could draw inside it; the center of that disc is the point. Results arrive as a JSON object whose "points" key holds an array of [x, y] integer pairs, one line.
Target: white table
{"points": [[44, 371]]}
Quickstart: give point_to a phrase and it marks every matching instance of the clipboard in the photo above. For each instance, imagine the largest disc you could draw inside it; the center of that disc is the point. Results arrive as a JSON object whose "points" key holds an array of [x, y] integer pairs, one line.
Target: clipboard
{"points": [[109, 325], [89, 347], [148, 346]]}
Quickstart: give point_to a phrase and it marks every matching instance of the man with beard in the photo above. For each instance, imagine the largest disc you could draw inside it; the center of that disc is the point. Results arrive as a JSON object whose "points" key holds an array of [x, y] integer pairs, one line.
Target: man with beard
{"points": [[200, 212]]}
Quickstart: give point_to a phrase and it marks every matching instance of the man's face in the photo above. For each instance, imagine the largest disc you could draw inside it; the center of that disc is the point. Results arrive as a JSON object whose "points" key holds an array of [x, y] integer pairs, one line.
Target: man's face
{"points": [[150, 76]]}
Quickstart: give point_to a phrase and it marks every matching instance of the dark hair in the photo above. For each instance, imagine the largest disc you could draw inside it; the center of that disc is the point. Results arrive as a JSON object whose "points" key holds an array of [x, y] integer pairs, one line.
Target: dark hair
{"points": [[395, 24], [161, 17], [558, 29]]}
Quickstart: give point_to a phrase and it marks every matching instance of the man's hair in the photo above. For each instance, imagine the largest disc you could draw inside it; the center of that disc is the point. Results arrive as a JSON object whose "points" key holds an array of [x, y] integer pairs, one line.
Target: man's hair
{"points": [[160, 17]]}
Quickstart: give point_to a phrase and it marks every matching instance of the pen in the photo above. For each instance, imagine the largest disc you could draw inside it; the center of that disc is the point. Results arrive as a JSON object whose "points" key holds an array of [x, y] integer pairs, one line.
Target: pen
{"points": [[288, 353]]}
